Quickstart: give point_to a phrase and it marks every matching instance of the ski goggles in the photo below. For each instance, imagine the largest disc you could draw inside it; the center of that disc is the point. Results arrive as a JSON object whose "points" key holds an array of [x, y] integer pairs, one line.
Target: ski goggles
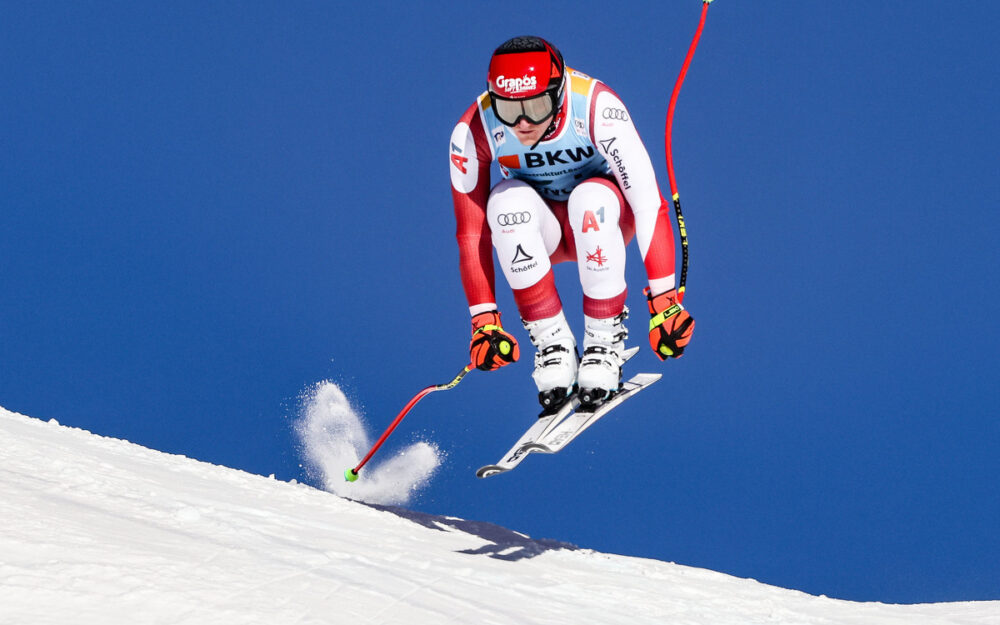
{"points": [[536, 109]]}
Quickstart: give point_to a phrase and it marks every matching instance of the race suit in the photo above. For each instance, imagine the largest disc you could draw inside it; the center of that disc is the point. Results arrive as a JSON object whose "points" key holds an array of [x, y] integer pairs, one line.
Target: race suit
{"points": [[580, 194]]}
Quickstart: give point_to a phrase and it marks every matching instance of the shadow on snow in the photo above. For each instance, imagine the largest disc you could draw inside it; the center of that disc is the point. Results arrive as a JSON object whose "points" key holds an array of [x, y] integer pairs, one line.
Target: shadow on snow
{"points": [[504, 544]]}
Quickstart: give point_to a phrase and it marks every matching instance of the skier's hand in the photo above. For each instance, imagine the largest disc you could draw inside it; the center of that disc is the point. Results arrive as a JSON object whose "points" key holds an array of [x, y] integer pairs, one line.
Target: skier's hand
{"points": [[491, 347], [670, 326]]}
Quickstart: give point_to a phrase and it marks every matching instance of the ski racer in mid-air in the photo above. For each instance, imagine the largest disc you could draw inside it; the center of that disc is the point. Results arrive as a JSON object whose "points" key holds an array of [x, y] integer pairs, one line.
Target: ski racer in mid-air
{"points": [[577, 185]]}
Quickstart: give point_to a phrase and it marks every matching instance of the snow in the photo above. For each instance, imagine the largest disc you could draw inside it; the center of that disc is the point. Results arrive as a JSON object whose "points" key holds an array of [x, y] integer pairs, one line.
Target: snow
{"points": [[99, 530], [333, 438]]}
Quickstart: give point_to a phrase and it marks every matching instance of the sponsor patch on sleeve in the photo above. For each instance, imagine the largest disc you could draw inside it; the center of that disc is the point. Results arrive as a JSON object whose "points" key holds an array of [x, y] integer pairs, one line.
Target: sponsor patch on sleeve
{"points": [[464, 161]]}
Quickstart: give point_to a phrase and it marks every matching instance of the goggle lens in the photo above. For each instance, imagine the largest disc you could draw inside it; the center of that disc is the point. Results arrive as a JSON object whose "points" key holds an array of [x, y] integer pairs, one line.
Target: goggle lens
{"points": [[535, 110]]}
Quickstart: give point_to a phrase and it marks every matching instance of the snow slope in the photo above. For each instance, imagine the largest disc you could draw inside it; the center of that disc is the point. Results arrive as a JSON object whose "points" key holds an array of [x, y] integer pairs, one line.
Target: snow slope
{"points": [[98, 530]]}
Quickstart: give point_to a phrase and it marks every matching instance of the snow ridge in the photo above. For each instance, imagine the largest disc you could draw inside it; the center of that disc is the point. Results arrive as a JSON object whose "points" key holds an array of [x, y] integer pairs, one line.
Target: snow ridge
{"points": [[96, 530]]}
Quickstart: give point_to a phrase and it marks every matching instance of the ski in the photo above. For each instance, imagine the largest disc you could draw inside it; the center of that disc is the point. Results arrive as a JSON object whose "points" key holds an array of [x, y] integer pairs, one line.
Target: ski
{"points": [[574, 425], [538, 430]]}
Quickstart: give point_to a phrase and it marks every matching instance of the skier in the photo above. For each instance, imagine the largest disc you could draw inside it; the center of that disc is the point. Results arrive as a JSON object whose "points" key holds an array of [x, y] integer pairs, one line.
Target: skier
{"points": [[577, 185]]}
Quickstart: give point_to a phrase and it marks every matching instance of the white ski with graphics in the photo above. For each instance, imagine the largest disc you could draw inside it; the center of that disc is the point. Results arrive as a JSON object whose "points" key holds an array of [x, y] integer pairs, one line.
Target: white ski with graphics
{"points": [[534, 439], [574, 425], [540, 428]]}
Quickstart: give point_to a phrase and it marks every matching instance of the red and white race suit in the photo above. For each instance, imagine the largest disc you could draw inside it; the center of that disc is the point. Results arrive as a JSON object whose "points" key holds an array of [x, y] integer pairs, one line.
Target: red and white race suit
{"points": [[581, 194]]}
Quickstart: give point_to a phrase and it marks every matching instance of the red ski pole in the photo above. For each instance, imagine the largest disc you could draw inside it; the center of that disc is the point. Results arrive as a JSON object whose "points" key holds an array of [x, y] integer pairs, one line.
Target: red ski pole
{"points": [[351, 475], [670, 159]]}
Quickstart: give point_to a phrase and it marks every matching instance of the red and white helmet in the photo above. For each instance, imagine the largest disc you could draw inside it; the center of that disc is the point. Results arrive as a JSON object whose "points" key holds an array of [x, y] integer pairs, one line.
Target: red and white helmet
{"points": [[526, 80]]}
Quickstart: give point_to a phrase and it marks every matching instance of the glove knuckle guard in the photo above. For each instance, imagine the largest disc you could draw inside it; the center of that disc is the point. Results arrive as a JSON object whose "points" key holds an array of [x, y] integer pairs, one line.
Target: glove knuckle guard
{"points": [[670, 326], [491, 347]]}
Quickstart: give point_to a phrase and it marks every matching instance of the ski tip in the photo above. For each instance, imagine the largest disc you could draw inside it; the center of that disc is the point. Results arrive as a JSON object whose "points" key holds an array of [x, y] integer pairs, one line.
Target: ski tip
{"points": [[351, 475], [490, 469]]}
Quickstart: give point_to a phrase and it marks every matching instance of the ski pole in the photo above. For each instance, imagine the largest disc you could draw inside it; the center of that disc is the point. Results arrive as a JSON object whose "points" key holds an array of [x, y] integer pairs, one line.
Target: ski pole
{"points": [[351, 475], [670, 159]]}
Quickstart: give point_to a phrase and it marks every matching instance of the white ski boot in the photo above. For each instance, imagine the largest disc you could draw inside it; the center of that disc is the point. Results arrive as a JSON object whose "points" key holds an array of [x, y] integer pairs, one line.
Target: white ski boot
{"points": [[600, 374], [556, 360]]}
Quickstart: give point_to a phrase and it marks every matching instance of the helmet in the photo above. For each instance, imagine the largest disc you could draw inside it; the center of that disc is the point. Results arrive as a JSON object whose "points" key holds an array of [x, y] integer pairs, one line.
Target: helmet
{"points": [[526, 80]]}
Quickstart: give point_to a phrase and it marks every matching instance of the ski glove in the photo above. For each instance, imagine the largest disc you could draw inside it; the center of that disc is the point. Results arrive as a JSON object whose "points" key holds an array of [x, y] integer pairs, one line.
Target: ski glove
{"points": [[491, 347], [670, 326]]}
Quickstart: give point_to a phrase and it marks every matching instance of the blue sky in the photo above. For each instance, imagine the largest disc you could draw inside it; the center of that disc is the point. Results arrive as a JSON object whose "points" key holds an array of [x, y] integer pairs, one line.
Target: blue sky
{"points": [[209, 207]]}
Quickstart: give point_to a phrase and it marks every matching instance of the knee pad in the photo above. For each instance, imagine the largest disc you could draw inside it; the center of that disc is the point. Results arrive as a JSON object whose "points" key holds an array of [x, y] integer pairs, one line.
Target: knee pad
{"points": [[514, 203], [524, 232], [594, 205]]}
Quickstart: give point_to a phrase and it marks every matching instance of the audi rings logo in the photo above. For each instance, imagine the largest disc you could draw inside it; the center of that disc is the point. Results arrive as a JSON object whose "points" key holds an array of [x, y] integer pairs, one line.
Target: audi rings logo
{"points": [[619, 114], [513, 219]]}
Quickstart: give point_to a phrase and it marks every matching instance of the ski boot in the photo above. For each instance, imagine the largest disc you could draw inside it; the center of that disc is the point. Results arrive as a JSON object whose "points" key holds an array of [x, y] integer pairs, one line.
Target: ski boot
{"points": [[556, 361], [600, 374]]}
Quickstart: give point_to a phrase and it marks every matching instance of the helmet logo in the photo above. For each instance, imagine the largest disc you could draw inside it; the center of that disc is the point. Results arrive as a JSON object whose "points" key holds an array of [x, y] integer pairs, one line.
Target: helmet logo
{"points": [[517, 85]]}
